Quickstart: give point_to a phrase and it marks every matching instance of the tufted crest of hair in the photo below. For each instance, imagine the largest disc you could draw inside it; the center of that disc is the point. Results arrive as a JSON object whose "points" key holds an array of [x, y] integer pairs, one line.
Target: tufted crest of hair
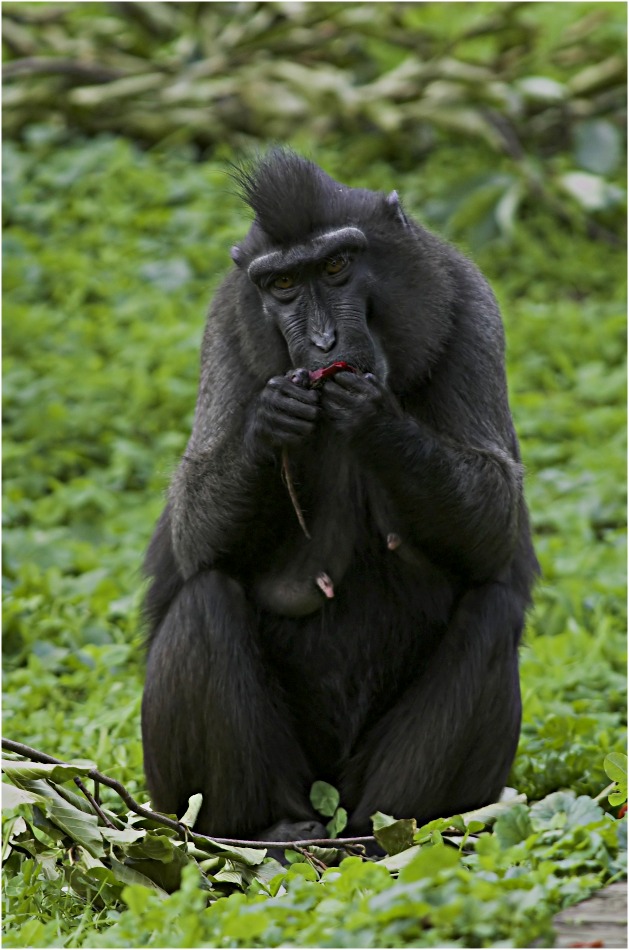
{"points": [[292, 197]]}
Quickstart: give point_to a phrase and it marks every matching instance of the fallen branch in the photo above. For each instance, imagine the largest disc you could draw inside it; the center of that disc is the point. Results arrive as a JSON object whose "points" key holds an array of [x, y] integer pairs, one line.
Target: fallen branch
{"points": [[182, 830]]}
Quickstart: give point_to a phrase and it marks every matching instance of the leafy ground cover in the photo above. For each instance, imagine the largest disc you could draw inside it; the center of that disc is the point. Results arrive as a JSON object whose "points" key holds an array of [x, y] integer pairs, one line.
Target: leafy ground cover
{"points": [[111, 255]]}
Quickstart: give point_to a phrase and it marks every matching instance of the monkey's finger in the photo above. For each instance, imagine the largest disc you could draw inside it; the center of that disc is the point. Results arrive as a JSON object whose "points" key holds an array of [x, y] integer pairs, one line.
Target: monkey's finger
{"points": [[285, 407], [284, 385], [288, 431], [347, 395], [300, 377], [295, 408], [338, 401], [353, 383]]}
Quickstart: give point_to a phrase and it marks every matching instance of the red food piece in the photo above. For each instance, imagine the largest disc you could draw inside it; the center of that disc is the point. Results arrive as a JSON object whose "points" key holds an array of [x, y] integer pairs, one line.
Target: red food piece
{"points": [[318, 375], [622, 810]]}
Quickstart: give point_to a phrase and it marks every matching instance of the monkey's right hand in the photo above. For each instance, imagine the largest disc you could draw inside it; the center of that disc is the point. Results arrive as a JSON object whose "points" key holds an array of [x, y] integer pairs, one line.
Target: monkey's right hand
{"points": [[284, 414]]}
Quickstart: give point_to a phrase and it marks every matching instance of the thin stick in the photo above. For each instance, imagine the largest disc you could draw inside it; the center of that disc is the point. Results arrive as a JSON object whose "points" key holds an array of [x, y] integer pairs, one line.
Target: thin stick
{"points": [[288, 481], [99, 811], [316, 862]]}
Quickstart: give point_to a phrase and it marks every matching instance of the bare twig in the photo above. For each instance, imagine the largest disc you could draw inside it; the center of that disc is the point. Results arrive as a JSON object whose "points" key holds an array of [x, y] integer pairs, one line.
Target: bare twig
{"points": [[288, 481], [310, 858], [99, 811], [182, 830]]}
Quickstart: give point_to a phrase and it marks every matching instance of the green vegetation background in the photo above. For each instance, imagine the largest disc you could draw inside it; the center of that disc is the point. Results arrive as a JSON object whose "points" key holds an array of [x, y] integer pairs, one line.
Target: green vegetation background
{"points": [[112, 250]]}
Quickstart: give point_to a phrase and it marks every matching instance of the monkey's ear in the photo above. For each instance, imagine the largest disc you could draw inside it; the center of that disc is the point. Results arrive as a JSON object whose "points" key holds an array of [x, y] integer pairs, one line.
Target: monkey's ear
{"points": [[393, 205], [236, 255]]}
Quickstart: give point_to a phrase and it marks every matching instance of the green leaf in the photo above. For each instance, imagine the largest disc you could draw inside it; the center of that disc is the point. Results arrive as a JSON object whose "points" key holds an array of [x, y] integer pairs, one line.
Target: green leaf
{"points": [[395, 862], [338, 823], [324, 798], [21, 772], [429, 862], [598, 146], [513, 827], [541, 88], [564, 809], [12, 797], [396, 836], [591, 191], [192, 812], [80, 826], [380, 820], [615, 765]]}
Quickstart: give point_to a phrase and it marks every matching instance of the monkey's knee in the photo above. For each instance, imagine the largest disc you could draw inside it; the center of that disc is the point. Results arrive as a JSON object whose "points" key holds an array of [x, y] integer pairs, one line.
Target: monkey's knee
{"points": [[193, 658]]}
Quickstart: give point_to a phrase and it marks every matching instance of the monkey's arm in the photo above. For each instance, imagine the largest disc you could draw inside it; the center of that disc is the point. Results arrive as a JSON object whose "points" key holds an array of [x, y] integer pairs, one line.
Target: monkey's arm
{"points": [[456, 501], [223, 488], [449, 460]]}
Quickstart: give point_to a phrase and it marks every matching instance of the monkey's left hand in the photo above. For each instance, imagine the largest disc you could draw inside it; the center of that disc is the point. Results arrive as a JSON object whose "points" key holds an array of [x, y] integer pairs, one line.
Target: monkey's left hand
{"points": [[353, 402]]}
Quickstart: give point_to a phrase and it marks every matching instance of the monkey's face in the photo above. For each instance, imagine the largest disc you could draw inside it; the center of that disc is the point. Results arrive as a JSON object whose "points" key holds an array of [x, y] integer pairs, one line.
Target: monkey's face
{"points": [[316, 294]]}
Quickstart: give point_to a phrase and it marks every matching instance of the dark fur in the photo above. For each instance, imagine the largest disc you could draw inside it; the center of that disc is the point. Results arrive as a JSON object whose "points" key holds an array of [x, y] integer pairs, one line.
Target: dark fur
{"points": [[402, 690]]}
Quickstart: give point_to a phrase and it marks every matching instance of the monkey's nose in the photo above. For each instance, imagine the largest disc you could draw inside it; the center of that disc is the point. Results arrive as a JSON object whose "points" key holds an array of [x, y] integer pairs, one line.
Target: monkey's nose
{"points": [[323, 339]]}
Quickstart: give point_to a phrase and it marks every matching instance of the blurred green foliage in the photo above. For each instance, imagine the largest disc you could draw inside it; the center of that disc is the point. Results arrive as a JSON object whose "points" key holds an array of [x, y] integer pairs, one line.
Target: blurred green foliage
{"points": [[540, 85], [111, 253]]}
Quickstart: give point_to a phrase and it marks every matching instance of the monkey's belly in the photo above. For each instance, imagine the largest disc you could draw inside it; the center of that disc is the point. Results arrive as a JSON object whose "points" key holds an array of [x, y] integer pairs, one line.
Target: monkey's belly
{"points": [[305, 572], [287, 596], [342, 667]]}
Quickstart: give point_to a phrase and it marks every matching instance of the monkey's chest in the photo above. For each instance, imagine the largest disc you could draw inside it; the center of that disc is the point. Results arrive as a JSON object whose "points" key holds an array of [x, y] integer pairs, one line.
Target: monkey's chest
{"points": [[330, 515]]}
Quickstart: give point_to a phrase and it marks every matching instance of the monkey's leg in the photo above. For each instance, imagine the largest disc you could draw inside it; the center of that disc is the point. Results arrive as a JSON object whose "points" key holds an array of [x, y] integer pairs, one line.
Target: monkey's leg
{"points": [[447, 745], [213, 721]]}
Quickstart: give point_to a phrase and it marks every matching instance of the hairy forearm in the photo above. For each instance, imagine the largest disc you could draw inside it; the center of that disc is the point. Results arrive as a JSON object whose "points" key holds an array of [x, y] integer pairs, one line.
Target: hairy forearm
{"points": [[458, 502], [214, 497]]}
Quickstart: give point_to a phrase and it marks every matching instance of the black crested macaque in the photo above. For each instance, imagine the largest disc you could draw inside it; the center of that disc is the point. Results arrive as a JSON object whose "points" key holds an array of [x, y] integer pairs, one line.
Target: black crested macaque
{"points": [[340, 576]]}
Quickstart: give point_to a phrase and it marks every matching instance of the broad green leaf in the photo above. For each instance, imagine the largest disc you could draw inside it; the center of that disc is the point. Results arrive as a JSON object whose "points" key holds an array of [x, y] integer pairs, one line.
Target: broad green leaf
{"points": [[337, 823], [380, 820], [122, 836], [489, 813], [513, 826], [13, 796], [598, 146], [324, 798], [24, 771], [591, 191], [564, 809], [542, 88], [615, 765], [429, 862], [395, 862], [397, 836], [192, 813], [80, 826], [127, 875], [156, 847]]}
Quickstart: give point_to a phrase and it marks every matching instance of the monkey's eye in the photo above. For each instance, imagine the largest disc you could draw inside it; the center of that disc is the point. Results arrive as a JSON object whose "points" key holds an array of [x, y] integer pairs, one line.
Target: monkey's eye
{"points": [[334, 265], [283, 282]]}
